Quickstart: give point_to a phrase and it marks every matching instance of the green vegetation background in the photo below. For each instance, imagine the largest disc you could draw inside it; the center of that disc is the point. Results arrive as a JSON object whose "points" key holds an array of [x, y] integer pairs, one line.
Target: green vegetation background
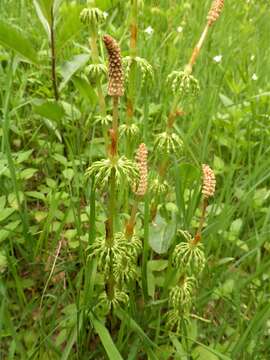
{"points": [[44, 196]]}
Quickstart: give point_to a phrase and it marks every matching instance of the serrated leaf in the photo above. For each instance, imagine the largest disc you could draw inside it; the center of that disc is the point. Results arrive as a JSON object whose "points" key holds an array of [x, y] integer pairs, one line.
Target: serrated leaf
{"points": [[15, 40], [161, 235], [69, 68]]}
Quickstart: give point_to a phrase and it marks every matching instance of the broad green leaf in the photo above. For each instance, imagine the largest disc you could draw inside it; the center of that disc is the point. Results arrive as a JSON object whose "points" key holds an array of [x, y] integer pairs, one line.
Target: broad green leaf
{"points": [[5, 213], [161, 235], [201, 353], [40, 215], [105, 337], [218, 165], [85, 89], [154, 266], [68, 174], [69, 25], [189, 174], [69, 68], [45, 7], [71, 111], [225, 100], [23, 156], [236, 226], [60, 158], [43, 17], [48, 109], [27, 173], [157, 265], [209, 350], [3, 201], [13, 199], [3, 261], [106, 4], [151, 284], [36, 195], [52, 126], [8, 230], [15, 40]]}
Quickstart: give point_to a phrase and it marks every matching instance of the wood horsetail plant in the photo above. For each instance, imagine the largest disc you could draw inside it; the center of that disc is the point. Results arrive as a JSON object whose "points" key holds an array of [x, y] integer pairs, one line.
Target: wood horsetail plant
{"points": [[118, 250], [93, 17], [108, 207], [134, 64], [185, 87]]}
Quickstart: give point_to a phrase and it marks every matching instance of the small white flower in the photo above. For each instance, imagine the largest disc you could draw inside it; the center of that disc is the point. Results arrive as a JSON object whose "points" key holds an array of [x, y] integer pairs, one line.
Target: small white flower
{"points": [[254, 77], [105, 14], [179, 29], [149, 30], [252, 58], [217, 58]]}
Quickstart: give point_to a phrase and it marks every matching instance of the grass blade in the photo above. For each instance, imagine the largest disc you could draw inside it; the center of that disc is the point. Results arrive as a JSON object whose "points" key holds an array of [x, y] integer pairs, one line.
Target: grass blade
{"points": [[107, 341]]}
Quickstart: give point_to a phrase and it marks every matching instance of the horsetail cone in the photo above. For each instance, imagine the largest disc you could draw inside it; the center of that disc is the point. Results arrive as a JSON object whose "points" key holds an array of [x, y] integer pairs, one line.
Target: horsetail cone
{"points": [[215, 11], [141, 158], [116, 78], [209, 181]]}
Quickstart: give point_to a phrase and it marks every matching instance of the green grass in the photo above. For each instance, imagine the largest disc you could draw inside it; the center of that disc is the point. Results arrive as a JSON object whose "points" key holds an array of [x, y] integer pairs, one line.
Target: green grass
{"points": [[49, 207]]}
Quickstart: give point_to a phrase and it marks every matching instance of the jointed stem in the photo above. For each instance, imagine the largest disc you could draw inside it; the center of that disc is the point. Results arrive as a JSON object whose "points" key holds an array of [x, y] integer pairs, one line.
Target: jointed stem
{"points": [[198, 47], [115, 114], [198, 234], [53, 57], [95, 58], [111, 211], [101, 99], [110, 230], [132, 220], [132, 73]]}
